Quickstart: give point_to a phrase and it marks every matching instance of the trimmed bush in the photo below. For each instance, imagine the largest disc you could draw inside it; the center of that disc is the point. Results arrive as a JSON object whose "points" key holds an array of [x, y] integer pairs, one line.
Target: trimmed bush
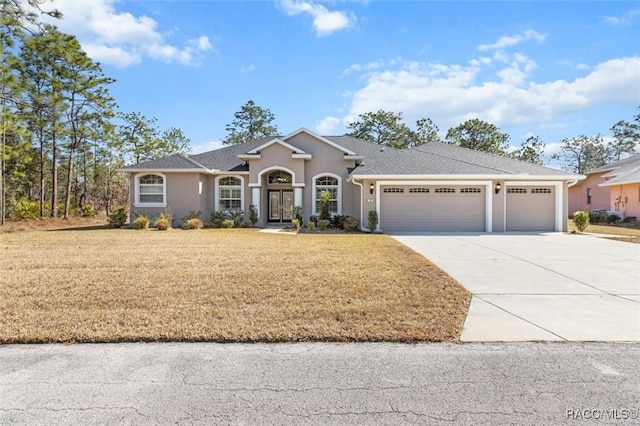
{"points": [[193, 223], [612, 218], [337, 221], [237, 216], [163, 224], [253, 214], [581, 220], [323, 224], [325, 200], [141, 222], [373, 220], [228, 223], [192, 215], [311, 225], [351, 224], [296, 224], [216, 218], [118, 218], [597, 217]]}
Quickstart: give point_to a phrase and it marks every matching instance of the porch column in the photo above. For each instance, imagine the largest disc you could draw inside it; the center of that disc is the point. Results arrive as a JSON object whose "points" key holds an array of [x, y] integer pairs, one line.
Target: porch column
{"points": [[255, 199], [297, 197]]}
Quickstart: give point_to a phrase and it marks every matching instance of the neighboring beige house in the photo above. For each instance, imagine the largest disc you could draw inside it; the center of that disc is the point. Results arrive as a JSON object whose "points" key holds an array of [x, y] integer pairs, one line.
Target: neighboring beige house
{"points": [[435, 187], [613, 187]]}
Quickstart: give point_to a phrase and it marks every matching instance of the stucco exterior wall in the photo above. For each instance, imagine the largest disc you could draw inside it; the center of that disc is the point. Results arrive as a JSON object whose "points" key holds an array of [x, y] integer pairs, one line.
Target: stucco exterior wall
{"points": [[600, 196], [626, 198]]}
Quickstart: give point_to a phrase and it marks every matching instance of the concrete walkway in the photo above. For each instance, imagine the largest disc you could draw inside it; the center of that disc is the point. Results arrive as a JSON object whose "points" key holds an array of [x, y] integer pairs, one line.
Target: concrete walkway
{"points": [[552, 286]]}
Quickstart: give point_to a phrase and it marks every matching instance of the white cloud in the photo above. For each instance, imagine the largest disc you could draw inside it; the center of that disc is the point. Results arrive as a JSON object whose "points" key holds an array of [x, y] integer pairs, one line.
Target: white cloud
{"points": [[248, 69], [206, 147], [325, 22], [507, 41], [122, 39], [451, 94], [626, 18], [328, 125]]}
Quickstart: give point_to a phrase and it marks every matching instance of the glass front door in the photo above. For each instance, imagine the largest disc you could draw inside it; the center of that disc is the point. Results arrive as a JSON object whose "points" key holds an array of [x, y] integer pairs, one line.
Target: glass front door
{"points": [[280, 206]]}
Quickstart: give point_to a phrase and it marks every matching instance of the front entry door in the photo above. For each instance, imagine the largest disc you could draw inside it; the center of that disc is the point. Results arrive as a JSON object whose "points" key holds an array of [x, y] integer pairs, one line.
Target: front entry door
{"points": [[280, 206]]}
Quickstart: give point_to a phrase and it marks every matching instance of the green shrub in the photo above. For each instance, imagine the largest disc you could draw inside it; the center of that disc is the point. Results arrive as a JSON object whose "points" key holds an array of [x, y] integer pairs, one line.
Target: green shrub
{"points": [[87, 211], [337, 221], [597, 217], [118, 218], [245, 224], [581, 220], [141, 222], [351, 224], [192, 215], [237, 216], [612, 218], [193, 223], [216, 218], [228, 223], [297, 213], [311, 225], [373, 220], [325, 201], [296, 224], [162, 224], [253, 214], [323, 224], [314, 219], [26, 209]]}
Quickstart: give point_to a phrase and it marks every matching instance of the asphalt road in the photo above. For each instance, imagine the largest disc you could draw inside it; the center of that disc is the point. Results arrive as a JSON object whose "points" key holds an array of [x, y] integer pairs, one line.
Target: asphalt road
{"points": [[320, 383]]}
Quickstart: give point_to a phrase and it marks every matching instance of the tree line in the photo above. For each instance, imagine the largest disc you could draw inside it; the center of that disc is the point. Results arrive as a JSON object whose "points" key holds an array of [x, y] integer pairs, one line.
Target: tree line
{"points": [[63, 137]]}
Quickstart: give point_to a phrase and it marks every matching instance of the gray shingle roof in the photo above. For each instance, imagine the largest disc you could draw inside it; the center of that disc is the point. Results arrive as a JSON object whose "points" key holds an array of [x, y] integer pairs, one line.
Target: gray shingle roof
{"points": [[429, 159], [617, 164]]}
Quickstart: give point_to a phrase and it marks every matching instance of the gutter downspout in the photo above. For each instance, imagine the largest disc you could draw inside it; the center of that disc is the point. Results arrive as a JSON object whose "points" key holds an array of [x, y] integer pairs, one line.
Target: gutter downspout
{"points": [[361, 202]]}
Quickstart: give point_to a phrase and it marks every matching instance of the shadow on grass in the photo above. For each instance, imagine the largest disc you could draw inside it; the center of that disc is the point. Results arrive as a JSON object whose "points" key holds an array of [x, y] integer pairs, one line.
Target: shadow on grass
{"points": [[83, 228]]}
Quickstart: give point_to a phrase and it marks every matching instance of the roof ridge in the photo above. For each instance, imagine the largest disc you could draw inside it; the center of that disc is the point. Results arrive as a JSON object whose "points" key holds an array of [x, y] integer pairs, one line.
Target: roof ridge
{"points": [[186, 157]]}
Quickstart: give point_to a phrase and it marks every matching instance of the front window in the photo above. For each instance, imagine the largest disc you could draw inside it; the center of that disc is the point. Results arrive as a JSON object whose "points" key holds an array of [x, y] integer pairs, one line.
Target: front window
{"points": [[151, 189], [329, 184], [588, 195], [280, 177], [230, 194]]}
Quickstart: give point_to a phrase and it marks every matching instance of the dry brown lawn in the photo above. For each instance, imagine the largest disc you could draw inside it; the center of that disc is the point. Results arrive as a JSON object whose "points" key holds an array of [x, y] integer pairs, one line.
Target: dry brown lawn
{"points": [[106, 285], [626, 233]]}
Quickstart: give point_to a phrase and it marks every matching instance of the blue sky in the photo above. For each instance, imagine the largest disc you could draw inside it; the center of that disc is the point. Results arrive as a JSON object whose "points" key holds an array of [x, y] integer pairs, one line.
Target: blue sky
{"points": [[553, 69]]}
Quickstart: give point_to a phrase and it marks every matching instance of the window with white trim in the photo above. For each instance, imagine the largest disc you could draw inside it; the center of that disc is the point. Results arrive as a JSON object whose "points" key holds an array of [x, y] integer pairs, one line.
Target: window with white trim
{"points": [[470, 190], [445, 190], [393, 190], [516, 190], [418, 190], [331, 185], [150, 190], [541, 191], [230, 193], [279, 177]]}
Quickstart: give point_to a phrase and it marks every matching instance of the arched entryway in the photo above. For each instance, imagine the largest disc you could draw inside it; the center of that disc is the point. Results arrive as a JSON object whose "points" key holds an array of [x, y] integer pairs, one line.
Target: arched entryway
{"points": [[280, 196]]}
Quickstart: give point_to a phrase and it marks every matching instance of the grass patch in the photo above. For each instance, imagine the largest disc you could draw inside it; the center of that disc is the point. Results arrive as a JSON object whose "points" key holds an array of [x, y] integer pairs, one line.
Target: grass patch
{"points": [[628, 233], [234, 285]]}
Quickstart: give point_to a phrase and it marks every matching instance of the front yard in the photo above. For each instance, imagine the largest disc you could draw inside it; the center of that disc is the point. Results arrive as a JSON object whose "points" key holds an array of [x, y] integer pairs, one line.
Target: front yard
{"points": [[106, 285], [628, 232]]}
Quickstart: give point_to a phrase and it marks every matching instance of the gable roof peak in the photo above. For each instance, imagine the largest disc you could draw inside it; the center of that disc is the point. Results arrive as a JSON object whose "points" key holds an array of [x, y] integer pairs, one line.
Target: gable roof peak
{"points": [[321, 138]]}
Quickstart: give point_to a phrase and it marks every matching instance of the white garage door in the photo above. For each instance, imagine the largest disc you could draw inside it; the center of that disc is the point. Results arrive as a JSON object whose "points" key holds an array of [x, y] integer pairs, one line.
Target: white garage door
{"points": [[432, 208], [531, 208]]}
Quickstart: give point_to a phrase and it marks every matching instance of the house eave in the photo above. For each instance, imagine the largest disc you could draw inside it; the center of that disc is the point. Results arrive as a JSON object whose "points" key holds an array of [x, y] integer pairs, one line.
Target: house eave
{"points": [[469, 177], [127, 170], [628, 182], [249, 156]]}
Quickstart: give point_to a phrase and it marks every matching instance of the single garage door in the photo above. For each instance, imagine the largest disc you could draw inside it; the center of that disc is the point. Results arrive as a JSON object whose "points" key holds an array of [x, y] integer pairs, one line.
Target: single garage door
{"points": [[432, 208], [531, 208]]}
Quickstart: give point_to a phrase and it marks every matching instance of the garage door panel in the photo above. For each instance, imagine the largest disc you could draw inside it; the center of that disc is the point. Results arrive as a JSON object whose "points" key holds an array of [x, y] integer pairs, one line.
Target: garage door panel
{"points": [[432, 211], [530, 208]]}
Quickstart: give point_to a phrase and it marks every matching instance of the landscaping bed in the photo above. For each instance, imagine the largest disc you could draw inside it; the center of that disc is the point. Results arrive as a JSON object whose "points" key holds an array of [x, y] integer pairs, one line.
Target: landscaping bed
{"points": [[223, 285]]}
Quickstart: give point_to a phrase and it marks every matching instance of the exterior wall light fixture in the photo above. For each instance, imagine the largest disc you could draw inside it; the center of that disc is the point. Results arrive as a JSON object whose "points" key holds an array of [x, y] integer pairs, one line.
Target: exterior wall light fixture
{"points": [[371, 188], [498, 188]]}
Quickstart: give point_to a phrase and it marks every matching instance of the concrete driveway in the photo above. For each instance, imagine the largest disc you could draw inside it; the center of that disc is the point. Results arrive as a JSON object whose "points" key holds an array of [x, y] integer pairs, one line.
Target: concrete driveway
{"points": [[551, 286]]}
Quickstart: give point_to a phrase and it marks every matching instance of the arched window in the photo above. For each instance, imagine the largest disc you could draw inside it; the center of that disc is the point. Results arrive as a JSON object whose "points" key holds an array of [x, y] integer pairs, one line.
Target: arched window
{"points": [[330, 184], [229, 193], [151, 190], [279, 177]]}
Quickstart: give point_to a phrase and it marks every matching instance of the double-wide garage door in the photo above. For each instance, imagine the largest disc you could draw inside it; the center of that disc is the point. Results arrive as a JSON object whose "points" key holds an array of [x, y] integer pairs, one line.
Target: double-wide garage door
{"points": [[433, 208]]}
